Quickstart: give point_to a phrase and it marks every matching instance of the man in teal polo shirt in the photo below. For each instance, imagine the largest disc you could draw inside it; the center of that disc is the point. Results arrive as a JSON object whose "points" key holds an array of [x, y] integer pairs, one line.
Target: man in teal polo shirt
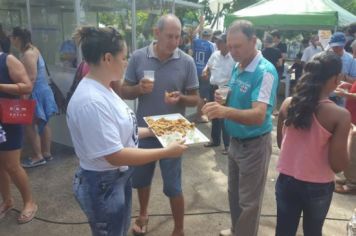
{"points": [[248, 117]]}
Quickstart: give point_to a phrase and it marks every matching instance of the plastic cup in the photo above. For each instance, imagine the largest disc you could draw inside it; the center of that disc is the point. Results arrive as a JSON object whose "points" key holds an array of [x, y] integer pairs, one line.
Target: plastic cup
{"points": [[224, 92], [149, 74]]}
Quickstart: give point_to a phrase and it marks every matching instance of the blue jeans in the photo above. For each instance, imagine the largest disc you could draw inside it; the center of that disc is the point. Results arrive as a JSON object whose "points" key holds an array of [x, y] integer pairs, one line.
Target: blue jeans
{"points": [[171, 171], [105, 198], [294, 197]]}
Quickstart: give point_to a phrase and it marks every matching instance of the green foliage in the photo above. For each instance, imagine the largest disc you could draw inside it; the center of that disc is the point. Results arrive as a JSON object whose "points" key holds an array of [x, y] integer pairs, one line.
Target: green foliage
{"points": [[108, 18]]}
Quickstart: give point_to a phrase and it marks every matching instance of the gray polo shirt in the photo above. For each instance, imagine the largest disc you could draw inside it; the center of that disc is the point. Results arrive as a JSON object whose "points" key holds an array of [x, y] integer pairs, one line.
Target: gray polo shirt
{"points": [[178, 73]]}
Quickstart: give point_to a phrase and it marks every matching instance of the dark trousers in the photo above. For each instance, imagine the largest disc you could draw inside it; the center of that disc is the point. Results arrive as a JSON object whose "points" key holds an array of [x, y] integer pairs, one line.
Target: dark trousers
{"points": [[294, 197], [217, 125]]}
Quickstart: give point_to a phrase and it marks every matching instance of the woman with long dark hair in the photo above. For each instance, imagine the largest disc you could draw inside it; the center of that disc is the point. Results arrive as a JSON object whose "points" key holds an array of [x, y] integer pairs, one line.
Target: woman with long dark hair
{"points": [[38, 133], [312, 133], [105, 135], [14, 82]]}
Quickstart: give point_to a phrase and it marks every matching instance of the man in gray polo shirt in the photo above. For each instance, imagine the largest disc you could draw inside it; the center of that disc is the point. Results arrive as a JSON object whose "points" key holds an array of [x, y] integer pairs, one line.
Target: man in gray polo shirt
{"points": [[175, 72]]}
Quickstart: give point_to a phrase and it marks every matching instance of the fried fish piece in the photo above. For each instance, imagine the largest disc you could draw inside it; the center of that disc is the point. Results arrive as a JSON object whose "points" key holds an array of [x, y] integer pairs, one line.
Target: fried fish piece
{"points": [[168, 94], [164, 126]]}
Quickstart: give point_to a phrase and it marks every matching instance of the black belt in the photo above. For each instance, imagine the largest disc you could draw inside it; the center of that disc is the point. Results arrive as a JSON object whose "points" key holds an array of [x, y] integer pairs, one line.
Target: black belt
{"points": [[242, 140]]}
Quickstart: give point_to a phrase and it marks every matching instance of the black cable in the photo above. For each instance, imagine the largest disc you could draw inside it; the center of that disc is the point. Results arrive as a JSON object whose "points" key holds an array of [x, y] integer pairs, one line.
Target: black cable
{"points": [[165, 214]]}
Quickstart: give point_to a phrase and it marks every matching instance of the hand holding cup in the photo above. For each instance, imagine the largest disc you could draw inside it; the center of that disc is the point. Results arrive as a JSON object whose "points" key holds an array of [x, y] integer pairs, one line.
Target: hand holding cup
{"points": [[221, 94], [147, 82]]}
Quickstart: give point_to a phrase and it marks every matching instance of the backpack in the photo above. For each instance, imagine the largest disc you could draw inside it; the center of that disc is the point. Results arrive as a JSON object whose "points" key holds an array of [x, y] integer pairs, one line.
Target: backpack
{"points": [[79, 74]]}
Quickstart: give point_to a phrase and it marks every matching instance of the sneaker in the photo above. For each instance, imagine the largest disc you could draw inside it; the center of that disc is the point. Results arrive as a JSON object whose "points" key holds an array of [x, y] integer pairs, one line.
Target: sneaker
{"points": [[225, 232], [28, 163]]}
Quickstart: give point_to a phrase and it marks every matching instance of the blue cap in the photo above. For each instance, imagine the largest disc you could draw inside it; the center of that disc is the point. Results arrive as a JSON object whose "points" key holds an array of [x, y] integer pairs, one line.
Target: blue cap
{"points": [[207, 32], [338, 39]]}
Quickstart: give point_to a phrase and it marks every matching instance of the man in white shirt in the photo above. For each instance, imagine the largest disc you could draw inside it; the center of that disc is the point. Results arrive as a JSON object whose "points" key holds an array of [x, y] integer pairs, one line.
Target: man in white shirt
{"points": [[337, 44], [314, 48], [219, 67]]}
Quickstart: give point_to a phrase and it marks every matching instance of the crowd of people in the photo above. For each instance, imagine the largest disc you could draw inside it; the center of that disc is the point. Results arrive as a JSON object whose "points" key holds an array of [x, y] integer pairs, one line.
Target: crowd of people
{"points": [[119, 152]]}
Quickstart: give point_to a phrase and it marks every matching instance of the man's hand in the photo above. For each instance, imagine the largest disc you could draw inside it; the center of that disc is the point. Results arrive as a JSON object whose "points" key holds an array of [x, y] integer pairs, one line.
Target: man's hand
{"points": [[344, 85], [214, 110], [146, 86], [205, 73], [172, 98], [202, 19]]}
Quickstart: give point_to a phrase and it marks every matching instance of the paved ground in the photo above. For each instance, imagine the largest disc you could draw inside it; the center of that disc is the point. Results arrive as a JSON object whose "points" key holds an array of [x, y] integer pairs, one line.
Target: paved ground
{"points": [[205, 188]]}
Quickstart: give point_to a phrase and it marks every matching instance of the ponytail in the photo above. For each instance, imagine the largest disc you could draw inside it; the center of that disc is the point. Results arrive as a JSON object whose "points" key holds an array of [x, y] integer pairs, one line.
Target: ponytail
{"points": [[305, 99]]}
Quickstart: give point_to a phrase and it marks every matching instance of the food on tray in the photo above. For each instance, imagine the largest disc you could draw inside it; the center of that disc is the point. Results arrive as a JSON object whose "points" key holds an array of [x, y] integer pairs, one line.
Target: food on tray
{"points": [[163, 126], [168, 94]]}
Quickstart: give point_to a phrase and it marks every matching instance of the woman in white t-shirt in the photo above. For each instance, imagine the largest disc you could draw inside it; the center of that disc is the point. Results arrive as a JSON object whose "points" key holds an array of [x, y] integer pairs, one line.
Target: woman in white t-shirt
{"points": [[105, 135]]}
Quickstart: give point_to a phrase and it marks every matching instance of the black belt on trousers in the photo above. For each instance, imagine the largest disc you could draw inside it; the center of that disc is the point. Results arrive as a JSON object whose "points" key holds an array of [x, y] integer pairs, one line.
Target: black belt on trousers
{"points": [[242, 140]]}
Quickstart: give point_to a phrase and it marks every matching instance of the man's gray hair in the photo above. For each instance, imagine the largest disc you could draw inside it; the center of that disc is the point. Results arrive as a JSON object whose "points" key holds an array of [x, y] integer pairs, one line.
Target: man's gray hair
{"points": [[244, 26], [163, 20]]}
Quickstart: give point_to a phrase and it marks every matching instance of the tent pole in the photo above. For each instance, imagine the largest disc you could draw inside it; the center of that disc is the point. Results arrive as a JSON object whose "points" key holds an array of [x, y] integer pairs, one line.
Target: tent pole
{"points": [[218, 16]]}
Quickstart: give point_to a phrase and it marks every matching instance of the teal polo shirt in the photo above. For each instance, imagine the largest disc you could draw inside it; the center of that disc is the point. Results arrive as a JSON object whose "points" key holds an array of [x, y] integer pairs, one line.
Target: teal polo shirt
{"points": [[258, 82]]}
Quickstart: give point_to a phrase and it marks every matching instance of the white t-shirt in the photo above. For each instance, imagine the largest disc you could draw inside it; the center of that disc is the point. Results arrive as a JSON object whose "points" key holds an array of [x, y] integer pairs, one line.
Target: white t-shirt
{"points": [[220, 67], [100, 123], [309, 52]]}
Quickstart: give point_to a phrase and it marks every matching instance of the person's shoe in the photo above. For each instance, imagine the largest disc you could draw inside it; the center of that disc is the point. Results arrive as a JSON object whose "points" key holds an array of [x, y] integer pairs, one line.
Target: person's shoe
{"points": [[4, 209], [340, 181], [29, 163], [344, 189], [211, 144], [139, 227], [225, 152], [27, 216], [225, 232], [202, 119], [48, 158]]}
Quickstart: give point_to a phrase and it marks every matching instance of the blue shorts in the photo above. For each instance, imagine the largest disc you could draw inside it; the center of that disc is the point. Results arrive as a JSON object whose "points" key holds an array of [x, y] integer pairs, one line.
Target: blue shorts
{"points": [[14, 137], [204, 89], [171, 170]]}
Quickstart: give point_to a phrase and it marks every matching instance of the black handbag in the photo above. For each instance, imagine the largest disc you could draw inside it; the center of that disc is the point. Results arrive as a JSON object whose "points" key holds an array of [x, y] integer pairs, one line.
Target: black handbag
{"points": [[57, 93]]}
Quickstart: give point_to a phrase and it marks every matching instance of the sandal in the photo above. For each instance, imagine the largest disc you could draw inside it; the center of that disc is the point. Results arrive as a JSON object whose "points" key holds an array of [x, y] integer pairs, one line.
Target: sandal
{"points": [[202, 120], [344, 189], [48, 158], [27, 216], [140, 226], [4, 210], [340, 181]]}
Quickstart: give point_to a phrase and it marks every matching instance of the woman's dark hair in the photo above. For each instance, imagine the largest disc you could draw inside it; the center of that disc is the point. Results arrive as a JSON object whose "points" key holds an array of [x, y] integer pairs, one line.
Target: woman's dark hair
{"points": [[24, 35], [306, 95], [5, 42], [95, 42]]}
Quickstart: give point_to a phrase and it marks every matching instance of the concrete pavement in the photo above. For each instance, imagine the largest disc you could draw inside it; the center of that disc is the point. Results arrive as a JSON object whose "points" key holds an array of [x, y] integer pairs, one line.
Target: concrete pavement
{"points": [[205, 190]]}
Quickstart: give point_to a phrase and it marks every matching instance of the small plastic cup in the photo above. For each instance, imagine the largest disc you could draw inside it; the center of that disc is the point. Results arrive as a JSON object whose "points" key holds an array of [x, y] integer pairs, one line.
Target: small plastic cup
{"points": [[224, 92], [149, 74]]}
